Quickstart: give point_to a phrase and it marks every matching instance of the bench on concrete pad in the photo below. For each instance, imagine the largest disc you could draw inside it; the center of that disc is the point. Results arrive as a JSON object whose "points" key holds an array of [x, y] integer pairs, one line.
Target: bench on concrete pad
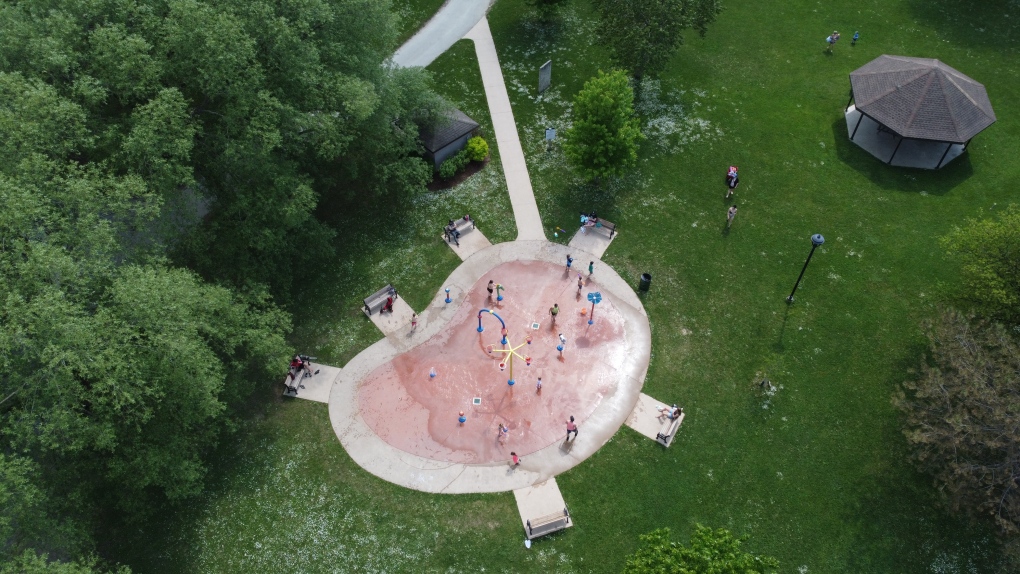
{"points": [[548, 524], [377, 300], [668, 431], [461, 225], [607, 227]]}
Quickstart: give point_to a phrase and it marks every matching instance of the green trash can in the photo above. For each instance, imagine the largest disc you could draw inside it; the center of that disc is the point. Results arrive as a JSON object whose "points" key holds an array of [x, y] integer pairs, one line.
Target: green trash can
{"points": [[646, 282]]}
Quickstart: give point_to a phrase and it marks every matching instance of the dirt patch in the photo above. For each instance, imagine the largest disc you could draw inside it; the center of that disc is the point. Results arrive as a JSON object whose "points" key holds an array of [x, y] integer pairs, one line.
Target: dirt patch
{"points": [[439, 184]]}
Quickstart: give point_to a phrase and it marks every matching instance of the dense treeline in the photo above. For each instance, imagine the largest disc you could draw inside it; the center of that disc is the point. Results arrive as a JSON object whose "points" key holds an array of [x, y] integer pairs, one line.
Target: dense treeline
{"points": [[160, 164]]}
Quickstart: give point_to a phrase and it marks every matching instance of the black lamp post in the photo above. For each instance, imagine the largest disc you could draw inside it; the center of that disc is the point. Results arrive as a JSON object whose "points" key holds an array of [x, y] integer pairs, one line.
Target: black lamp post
{"points": [[816, 240]]}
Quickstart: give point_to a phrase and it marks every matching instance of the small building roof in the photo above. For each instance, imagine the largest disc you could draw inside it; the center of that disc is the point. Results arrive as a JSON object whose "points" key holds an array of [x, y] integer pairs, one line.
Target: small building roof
{"points": [[921, 98], [453, 125]]}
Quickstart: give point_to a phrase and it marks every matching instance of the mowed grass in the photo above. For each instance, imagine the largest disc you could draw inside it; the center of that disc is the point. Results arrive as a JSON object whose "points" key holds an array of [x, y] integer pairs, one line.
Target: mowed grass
{"points": [[815, 474]]}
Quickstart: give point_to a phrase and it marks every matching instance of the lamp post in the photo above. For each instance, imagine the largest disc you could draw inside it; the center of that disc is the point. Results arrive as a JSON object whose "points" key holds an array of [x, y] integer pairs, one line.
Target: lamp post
{"points": [[816, 240]]}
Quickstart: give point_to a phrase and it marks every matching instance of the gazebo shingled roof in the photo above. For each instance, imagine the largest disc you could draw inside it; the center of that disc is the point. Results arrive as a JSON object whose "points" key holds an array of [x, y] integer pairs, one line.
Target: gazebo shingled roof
{"points": [[921, 98]]}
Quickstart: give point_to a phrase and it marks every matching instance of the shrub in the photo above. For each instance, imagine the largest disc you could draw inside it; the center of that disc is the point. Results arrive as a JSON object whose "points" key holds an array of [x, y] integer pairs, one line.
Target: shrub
{"points": [[455, 164], [477, 149]]}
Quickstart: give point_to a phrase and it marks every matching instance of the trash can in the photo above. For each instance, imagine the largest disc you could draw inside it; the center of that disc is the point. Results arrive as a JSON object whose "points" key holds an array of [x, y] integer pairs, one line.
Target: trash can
{"points": [[646, 282]]}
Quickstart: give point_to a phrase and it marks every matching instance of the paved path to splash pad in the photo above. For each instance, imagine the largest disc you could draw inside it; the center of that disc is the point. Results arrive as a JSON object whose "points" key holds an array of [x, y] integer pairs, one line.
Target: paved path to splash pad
{"points": [[448, 25], [511, 155], [617, 395]]}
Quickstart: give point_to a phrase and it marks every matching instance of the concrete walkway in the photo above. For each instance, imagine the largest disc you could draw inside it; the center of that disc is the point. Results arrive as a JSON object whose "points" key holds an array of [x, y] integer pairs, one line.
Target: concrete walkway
{"points": [[511, 155], [591, 241], [318, 386], [645, 418], [443, 30], [540, 500], [470, 243]]}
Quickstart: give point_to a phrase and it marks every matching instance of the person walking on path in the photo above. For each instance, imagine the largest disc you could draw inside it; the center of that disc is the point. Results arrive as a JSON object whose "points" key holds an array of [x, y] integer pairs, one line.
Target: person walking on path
{"points": [[730, 214], [570, 260], [414, 321], [571, 428], [554, 310], [515, 460], [591, 268], [490, 287]]}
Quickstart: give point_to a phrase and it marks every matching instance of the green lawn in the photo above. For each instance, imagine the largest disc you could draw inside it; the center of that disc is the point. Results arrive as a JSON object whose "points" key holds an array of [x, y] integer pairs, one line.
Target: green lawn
{"points": [[816, 474]]}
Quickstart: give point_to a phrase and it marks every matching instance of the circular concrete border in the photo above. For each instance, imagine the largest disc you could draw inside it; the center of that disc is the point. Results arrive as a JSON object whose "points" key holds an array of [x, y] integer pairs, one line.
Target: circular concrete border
{"points": [[412, 471]]}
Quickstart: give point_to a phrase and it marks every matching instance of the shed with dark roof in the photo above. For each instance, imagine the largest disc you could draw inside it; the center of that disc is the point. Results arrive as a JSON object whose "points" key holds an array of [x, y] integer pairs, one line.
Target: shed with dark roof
{"points": [[921, 100], [447, 137]]}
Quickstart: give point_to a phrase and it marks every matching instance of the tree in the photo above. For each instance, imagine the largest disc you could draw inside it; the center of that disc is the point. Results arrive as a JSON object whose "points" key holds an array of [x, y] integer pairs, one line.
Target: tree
{"points": [[547, 9], [31, 563], [250, 109], [131, 330], [989, 255], [29, 516], [643, 35], [603, 140], [710, 552], [962, 417]]}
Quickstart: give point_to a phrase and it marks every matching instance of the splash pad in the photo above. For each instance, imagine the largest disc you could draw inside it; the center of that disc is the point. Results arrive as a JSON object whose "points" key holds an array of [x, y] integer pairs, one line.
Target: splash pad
{"points": [[419, 415]]}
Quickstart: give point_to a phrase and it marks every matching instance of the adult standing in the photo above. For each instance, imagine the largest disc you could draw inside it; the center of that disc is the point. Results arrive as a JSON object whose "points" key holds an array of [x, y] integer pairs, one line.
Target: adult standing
{"points": [[571, 428], [731, 184], [730, 214], [832, 39]]}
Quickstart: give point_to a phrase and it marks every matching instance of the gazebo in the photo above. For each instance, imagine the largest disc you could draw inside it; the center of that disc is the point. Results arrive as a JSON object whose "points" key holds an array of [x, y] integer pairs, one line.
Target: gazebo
{"points": [[921, 105]]}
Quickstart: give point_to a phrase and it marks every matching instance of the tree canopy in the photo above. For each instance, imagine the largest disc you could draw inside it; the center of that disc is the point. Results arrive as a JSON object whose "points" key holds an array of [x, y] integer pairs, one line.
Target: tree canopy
{"points": [[160, 166], [988, 252], [603, 139], [643, 35], [245, 111], [963, 417], [710, 552]]}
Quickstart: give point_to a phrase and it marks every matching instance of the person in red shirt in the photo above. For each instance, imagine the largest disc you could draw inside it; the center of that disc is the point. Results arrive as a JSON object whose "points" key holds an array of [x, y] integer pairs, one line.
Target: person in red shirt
{"points": [[571, 428]]}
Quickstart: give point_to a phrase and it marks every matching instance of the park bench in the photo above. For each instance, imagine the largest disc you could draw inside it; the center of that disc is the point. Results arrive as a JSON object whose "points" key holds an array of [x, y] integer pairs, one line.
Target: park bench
{"points": [[548, 524], [461, 225], [377, 300], [606, 227], [668, 431]]}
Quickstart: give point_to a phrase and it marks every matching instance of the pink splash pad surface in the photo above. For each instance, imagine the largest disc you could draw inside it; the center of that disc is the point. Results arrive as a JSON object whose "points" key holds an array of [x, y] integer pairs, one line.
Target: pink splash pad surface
{"points": [[418, 414]]}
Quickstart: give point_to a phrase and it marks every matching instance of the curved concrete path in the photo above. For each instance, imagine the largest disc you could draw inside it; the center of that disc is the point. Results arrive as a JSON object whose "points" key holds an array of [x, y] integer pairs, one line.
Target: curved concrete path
{"points": [[448, 25], [389, 463]]}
